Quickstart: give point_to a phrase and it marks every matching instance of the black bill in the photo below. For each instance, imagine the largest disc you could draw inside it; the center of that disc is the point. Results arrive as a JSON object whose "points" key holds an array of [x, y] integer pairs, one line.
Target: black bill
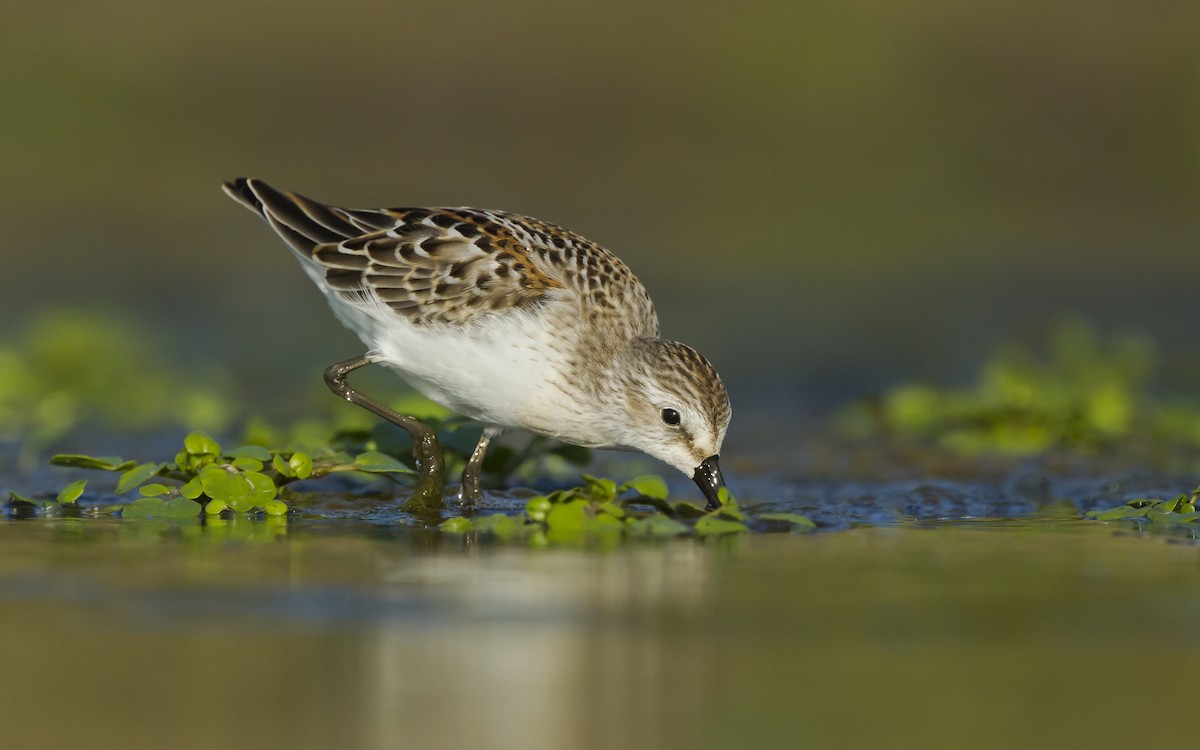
{"points": [[708, 477]]}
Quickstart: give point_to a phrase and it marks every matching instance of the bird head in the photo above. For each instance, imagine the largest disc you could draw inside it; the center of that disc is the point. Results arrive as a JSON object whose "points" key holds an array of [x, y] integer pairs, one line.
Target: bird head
{"points": [[678, 410]]}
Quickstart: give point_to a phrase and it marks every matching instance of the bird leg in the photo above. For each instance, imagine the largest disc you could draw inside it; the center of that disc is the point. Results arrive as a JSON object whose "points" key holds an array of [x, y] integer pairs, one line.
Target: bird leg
{"points": [[428, 494], [470, 495]]}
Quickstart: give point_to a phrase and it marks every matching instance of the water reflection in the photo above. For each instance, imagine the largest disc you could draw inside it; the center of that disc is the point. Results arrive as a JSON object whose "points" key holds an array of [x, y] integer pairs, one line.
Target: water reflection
{"points": [[348, 636]]}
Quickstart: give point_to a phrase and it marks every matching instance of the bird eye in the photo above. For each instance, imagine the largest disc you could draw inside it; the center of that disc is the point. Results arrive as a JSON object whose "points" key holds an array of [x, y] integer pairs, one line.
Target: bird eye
{"points": [[670, 416]]}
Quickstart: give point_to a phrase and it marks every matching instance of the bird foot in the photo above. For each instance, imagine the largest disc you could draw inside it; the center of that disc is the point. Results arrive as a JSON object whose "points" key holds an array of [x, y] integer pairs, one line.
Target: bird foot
{"points": [[470, 497], [427, 498]]}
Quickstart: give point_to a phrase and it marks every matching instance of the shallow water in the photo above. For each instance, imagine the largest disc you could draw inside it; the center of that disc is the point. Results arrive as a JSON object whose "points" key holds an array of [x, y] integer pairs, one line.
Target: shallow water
{"points": [[987, 619]]}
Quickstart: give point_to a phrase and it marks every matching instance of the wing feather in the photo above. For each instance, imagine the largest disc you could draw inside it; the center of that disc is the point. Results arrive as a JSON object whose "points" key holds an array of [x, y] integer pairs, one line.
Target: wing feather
{"points": [[452, 265], [429, 271]]}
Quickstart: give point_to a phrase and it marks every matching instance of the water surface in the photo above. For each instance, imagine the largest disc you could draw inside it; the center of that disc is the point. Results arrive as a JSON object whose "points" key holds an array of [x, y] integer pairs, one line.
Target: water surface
{"points": [[317, 633]]}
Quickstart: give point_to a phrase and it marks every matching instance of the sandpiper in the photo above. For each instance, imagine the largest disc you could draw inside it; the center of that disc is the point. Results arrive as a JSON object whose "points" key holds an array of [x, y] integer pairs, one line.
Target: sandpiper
{"points": [[508, 320]]}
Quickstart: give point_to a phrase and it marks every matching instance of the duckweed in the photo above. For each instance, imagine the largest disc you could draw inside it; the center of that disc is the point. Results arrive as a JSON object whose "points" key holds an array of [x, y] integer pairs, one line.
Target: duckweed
{"points": [[600, 511], [246, 479], [1154, 513]]}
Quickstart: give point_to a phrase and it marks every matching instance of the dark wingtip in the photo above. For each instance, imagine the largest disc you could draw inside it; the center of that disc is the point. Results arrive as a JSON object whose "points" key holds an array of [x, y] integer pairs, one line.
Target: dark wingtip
{"points": [[302, 222], [241, 191]]}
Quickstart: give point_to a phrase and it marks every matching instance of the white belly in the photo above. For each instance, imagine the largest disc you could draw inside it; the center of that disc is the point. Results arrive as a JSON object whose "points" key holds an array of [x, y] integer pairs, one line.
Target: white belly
{"points": [[508, 370], [500, 371]]}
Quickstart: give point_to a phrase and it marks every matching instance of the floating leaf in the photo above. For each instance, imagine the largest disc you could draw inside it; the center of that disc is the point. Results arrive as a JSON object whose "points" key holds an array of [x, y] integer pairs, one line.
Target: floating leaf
{"points": [[710, 525], [1181, 504], [611, 509], [655, 525], [218, 482], [131, 479], [104, 463], [247, 464], [650, 486], [729, 508], [662, 506], [213, 507], [282, 466], [380, 463], [1168, 517], [537, 508], [795, 519], [198, 443], [726, 498], [16, 498], [153, 507], [255, 452], [456, 525], [72, 492], [259, 490], [301, 465], [239, 503], [154, 490], [603, 524], [241, 491], [562, 496], [261, 487], [568, 516], [193, 489], [688, 510], [275, 508], [336, 458], [499, 524], [1122, 511], [599, 488]]}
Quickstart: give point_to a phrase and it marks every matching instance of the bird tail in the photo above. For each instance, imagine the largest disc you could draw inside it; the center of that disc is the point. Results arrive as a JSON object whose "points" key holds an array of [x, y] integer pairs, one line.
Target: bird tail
{"points": [[302, 222]]}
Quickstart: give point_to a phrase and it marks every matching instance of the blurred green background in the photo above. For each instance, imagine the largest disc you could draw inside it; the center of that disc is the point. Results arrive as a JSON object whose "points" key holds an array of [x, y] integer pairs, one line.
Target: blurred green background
{"points": [[827, 197]]}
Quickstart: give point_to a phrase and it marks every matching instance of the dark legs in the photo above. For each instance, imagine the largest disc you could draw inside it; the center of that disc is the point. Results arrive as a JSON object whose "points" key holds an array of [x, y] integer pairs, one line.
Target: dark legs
{"points": [[427, 496], [471, 495]]}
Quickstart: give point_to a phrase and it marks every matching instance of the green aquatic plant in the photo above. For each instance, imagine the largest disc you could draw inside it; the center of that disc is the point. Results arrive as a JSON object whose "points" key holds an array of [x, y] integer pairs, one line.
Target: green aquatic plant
{"points": [[205, 477], [1157, 513], [602, 511], [249, 478], [524, 459], [1086, 394]]}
